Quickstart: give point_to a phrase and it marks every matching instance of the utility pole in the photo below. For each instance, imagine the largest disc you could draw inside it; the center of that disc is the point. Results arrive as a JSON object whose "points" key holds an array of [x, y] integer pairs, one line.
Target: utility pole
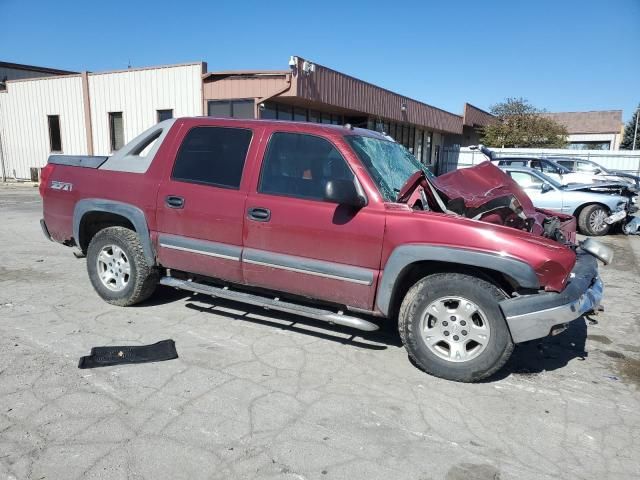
{"points": [[635, 133]]}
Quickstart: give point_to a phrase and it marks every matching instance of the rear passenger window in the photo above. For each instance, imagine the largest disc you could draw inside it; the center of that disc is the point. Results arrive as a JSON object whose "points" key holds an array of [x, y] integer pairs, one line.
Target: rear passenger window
{"points": [[212, 156], [299, 165], [567, 163]]}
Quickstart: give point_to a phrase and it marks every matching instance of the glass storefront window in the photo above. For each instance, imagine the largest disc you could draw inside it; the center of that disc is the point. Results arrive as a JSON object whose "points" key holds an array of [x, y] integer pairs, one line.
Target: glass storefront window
{"points": [[314, 116], [269, 112], [405, 135], [285, 112], [326, 118], [412, 139], [300, 114], [418, 144], [426, 149]]}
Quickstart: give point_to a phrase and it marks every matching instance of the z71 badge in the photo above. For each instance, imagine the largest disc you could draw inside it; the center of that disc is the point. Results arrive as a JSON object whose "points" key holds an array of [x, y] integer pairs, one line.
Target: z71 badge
{"points": [[63, 186]]}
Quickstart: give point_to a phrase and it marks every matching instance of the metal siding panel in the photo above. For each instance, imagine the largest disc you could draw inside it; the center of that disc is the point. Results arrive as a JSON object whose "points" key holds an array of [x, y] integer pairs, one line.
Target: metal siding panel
{"points": [[334, 88], [25, 134], [242, 87], [138, 94]]}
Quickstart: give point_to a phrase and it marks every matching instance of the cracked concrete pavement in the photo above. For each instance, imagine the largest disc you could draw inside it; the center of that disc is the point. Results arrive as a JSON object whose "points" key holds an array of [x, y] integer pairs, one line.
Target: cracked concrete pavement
{"points": [[257, 394]]}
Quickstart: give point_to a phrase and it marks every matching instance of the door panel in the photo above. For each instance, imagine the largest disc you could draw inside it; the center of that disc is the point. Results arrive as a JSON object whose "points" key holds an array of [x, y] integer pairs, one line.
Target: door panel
{"points": [[200, 204], [296, 242], [315, 249], [205, 236]]}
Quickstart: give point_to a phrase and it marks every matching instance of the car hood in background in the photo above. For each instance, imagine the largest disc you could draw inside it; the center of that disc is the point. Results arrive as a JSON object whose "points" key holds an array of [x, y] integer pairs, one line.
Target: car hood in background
{"points": [[602, 187]]}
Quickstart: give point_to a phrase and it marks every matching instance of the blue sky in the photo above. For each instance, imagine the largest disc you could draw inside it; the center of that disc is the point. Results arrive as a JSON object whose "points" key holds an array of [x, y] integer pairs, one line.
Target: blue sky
{"points": [[562, 55]]}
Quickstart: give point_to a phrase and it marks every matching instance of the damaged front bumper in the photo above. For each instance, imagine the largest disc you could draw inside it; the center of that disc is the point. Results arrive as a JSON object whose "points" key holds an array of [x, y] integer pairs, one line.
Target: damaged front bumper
{"points": [[535, 316]]}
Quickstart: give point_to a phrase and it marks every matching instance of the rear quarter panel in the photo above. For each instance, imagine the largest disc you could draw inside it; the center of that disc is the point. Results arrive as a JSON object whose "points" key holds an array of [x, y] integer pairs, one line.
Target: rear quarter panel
{"points": [[138, 189]]}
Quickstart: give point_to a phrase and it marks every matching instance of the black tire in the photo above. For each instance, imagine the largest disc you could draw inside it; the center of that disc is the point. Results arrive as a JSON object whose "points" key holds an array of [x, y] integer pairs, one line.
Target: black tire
{"points": [[142, 279], [584, 220], [485, 296]]}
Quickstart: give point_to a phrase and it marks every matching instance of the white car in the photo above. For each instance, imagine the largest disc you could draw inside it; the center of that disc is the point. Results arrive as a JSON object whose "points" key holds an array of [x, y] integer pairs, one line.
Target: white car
{"points": [[599, 172], [550, 168]]}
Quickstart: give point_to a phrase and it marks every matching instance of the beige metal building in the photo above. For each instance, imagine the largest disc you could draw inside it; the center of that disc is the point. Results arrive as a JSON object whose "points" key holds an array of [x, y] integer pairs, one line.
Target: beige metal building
{"points": [[313, 93], [596, 130], [90, 113]]}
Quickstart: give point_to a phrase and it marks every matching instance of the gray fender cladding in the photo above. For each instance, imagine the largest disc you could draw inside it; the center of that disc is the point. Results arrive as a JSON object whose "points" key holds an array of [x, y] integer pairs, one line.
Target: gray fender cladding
{"points": [[405, 255], [130, 212]]}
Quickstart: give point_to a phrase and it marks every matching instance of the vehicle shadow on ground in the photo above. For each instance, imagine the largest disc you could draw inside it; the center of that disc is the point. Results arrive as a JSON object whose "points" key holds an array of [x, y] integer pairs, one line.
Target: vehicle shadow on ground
{"points": [[547, 354], [377, 340], [530, 358], [162, 296], [543, 355]]}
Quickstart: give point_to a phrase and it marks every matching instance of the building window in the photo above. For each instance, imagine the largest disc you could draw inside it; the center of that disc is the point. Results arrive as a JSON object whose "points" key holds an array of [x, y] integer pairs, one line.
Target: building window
{"points": [[116, 130], [418, 145], [164, 115], [405, 135], [269, 111], [298, 165], [299, 114], [55, 138], [230, 108], [243, 109], [426, 149], [285, 112], [590, 145], [315, 116], [212, 156], [412, 139]]}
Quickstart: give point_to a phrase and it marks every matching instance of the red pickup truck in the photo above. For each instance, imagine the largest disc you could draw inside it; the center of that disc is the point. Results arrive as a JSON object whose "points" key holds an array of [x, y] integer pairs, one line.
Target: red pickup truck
{"points": [[335, 223]]}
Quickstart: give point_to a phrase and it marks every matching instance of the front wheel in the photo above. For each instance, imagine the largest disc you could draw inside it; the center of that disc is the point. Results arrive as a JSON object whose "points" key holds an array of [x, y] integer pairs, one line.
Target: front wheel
{"points": [[118, 268], [591, 220], [452, 326]]}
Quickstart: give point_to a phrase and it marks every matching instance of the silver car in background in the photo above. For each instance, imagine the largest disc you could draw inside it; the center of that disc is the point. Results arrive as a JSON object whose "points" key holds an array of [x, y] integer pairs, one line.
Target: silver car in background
{"points": [[600, 173], [596, 206]]}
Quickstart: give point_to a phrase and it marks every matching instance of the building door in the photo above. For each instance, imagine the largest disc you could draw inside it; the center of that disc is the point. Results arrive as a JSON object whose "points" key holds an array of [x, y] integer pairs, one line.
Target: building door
{"points": [[200, 203], [296, 242]]}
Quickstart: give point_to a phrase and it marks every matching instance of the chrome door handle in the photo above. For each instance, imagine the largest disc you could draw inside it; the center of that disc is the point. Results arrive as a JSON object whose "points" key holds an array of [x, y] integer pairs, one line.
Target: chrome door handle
{"points": [[259, 214], [173, 201]]}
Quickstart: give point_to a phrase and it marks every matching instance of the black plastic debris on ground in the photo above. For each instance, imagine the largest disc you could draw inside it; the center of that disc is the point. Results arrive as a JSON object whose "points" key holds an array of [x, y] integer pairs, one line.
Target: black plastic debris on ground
{"points": [[107, 356]]}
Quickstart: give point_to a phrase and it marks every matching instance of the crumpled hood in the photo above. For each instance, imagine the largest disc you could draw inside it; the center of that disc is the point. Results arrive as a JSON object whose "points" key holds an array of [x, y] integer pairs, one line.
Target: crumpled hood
{"points": [[482, 186], [479, 184]]}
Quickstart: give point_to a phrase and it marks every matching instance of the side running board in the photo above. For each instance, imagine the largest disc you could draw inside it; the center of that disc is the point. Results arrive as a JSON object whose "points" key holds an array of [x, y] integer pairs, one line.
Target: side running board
{"points": [[271, 304]]}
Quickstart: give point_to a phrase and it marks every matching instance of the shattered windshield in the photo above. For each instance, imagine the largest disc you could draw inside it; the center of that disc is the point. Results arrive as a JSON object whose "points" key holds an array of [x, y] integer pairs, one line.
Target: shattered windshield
{"points": [[389, 163]]}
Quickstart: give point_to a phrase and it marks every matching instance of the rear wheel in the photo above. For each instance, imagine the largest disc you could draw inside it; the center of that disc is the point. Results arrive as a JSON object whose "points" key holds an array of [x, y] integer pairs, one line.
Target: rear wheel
{"points": [[591, 220], [118, 269], [452, 326]]}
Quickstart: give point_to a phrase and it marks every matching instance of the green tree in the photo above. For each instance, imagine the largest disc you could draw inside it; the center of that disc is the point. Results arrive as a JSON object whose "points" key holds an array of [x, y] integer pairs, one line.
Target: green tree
{"points": [[629, 130], [521, 125]]}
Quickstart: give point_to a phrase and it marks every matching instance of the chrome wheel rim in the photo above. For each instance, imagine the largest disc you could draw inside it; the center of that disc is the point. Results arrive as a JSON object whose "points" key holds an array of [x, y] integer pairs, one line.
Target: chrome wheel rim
{"points": [[455, 329], [597, 220], [114, 269]]}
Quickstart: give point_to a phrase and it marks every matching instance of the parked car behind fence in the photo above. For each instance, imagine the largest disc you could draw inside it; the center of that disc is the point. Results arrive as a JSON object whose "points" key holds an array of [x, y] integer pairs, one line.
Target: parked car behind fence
{"points": [[597, 207]]}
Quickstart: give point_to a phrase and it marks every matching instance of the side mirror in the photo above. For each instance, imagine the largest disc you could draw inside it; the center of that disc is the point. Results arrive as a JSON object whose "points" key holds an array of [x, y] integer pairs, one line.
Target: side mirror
{"points": [[597, 171], [343, 192], [546, 187]]}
